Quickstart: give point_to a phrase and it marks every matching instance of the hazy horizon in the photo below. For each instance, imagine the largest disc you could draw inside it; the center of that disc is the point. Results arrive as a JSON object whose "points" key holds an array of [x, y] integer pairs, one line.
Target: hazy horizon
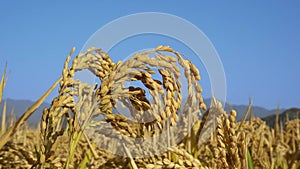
{"points": [[48, 101]]}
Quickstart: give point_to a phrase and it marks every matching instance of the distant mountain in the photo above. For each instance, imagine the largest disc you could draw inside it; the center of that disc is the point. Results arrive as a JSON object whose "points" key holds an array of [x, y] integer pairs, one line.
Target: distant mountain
{"points": [[20, 106], [291, 114], [257, 111], [241, 109]]}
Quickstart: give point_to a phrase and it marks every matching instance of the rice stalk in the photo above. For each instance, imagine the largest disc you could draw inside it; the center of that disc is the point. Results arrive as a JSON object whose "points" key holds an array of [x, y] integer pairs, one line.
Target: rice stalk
{"points": [[9, 132], [3, 122]]}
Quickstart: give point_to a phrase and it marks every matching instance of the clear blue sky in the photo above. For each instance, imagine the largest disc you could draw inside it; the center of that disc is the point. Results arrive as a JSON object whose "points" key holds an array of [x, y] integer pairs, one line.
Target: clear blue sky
{"points": [[257, 41]]}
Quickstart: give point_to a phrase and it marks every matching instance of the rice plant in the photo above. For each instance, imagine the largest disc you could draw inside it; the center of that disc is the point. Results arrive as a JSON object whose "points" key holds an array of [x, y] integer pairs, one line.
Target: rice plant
{"points": [[82, 120]]}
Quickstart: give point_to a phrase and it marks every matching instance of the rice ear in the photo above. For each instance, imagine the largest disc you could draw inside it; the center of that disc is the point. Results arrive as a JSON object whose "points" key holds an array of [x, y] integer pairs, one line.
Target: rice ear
{"points": [[2, 83]]}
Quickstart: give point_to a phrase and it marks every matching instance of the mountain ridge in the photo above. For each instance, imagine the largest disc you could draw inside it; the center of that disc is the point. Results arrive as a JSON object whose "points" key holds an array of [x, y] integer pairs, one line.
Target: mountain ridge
{"points": [[283, 117]]}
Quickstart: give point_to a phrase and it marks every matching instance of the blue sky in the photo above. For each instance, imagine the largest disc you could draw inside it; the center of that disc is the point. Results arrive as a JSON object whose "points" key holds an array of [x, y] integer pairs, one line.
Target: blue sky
{"points": [[258, 43]]}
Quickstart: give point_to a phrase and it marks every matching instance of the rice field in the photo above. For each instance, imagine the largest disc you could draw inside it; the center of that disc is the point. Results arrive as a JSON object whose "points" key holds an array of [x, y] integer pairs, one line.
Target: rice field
{"points": [[83, 129]]}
